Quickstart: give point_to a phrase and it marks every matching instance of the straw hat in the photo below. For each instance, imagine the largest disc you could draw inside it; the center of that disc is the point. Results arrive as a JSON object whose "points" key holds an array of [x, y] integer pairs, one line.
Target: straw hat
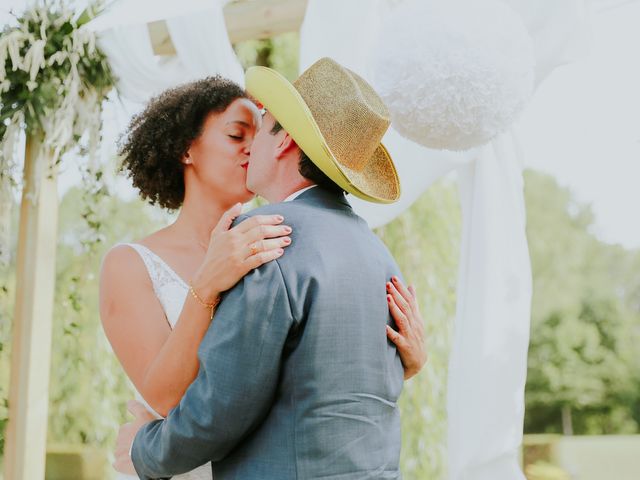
{"points": [[338, 120]]}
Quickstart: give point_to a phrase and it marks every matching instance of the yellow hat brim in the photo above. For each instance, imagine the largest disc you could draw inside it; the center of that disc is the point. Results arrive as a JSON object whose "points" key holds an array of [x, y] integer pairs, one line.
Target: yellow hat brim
{"points": [[378, 183]]}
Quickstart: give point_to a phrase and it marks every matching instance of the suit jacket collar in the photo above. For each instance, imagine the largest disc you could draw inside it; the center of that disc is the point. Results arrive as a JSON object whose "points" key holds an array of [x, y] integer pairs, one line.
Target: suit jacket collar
{"points": [[324, 198]]}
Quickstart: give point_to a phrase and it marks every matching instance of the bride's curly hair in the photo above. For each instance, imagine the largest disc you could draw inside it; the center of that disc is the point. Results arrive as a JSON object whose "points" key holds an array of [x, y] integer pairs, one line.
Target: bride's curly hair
{"points": [[158, 138]]}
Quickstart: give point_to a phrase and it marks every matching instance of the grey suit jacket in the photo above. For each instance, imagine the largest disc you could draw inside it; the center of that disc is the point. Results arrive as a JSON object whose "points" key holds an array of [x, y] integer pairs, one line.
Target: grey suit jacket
{"points": [[297, 379]]}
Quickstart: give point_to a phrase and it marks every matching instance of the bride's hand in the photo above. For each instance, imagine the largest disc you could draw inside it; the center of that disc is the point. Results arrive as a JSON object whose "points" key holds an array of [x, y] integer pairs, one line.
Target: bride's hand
{"points": [[410, 335], [234, 252]]}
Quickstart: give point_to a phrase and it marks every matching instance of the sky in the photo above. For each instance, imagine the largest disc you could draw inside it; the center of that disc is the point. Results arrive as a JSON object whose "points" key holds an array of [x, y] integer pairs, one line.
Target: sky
{"points": [[582, 126]]}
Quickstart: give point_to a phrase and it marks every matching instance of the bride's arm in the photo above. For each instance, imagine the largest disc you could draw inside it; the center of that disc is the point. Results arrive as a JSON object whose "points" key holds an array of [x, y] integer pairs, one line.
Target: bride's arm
{"points": [[162, 362], [140, 335]]}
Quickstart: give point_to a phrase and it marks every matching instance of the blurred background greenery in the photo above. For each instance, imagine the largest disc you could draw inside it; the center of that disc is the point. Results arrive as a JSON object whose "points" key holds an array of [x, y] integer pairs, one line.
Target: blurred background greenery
{"points": [[584, 366]]}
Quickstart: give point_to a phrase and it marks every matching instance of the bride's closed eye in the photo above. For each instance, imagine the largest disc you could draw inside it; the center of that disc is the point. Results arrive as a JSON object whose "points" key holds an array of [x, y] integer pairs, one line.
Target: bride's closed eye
{"points": [[237, 135]]}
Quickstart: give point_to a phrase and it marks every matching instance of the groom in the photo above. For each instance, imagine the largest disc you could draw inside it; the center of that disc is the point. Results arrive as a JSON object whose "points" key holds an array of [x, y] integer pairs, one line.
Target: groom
{"points": [[297, 378]]}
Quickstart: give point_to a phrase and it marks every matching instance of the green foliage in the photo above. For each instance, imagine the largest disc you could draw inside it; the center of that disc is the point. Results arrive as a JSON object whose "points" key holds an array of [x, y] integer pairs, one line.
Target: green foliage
{"points": [[425, 241], [88, 390], [280, 53], [7, 298], [585, 320], [4, 418]]}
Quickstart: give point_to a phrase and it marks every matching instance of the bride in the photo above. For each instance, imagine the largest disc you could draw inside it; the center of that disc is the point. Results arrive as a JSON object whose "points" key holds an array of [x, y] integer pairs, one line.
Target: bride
{"points": [[189, 150]]}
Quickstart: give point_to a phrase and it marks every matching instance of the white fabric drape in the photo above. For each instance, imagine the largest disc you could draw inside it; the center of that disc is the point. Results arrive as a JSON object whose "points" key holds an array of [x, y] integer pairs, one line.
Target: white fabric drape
{"points": [[203, 47], [197, 31], [487, 367], [560, 30], [488, 361]]}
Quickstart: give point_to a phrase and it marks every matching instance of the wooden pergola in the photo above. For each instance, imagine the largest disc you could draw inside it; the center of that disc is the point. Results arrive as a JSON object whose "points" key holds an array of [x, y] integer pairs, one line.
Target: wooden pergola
{"points": [[35, 266], [245, 20]]}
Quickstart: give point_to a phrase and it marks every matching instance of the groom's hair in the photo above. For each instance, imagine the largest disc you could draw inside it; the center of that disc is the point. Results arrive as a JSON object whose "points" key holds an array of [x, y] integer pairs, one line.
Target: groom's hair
{"points": [[309, 170]]}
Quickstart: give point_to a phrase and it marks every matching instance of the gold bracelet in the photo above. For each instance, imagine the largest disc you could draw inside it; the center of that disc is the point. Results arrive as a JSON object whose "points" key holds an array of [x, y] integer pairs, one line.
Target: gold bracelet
{"points": [[210, 306]]}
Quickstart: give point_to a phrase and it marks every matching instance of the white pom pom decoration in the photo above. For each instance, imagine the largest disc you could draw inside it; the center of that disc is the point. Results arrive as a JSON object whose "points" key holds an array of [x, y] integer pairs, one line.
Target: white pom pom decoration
{"points": [[453, 73]]}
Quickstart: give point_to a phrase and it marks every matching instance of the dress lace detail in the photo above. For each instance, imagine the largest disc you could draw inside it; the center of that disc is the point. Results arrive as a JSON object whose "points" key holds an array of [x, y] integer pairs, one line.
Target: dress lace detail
{"points": [[161, 274], [171, 291]]}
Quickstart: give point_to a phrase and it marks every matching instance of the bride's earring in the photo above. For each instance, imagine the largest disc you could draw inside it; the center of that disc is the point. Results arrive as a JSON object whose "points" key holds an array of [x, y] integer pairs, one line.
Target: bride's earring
{"points": [[187, 160]]}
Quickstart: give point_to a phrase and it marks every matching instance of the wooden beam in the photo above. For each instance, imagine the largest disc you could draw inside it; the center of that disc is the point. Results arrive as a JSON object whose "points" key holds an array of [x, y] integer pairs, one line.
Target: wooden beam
{"points": [[32, 323], [160, 38], [255, 19], [245, 19]]}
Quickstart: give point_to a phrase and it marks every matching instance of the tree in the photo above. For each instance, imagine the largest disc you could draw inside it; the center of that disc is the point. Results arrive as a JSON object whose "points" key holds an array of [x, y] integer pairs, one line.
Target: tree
{"points": [[581, 376]]}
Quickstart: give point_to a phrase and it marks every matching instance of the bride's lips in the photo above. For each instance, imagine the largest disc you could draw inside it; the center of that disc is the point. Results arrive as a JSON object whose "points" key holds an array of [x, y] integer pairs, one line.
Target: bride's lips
{"points": [[245, 165]]}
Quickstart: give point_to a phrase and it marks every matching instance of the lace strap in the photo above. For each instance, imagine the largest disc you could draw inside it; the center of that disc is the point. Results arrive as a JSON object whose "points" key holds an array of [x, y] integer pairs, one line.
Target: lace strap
{"points": [[160, 272]]}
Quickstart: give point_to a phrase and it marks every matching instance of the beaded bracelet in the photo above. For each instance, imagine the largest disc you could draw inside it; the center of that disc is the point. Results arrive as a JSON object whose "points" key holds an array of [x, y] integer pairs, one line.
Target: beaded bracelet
{"points": [[210, 306]]}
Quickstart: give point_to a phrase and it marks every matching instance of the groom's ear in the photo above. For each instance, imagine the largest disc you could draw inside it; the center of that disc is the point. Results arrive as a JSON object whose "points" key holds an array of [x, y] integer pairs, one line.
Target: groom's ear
{"points": [[285, 146]]}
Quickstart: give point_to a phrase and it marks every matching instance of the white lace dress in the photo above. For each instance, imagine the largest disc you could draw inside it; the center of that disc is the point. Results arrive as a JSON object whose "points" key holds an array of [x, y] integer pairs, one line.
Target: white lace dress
{"points": [[171, 291]]}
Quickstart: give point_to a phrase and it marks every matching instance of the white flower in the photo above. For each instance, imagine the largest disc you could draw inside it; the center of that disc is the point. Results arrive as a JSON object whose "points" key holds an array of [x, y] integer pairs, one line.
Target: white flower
{"points": [[11, 43], [34, 59], [58, 57]]}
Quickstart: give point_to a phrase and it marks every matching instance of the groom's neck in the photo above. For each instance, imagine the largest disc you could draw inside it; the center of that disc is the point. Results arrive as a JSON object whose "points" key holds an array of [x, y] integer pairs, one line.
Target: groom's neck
{"points": [[280, 192], [285, 180]]}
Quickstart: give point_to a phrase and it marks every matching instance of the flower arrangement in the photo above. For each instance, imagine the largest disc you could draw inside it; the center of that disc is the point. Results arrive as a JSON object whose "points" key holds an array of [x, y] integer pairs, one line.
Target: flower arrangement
{"points": [[53, 80]]}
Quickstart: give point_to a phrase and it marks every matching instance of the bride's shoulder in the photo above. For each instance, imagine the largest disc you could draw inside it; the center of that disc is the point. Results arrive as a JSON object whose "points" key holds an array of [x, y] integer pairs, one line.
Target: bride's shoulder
{"points": [[118, 253], [126, 257], [122, 264]]}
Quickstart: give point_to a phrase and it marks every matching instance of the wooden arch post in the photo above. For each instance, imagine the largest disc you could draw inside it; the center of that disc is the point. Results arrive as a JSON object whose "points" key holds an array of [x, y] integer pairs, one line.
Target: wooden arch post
{"points": [[33, 317]]}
